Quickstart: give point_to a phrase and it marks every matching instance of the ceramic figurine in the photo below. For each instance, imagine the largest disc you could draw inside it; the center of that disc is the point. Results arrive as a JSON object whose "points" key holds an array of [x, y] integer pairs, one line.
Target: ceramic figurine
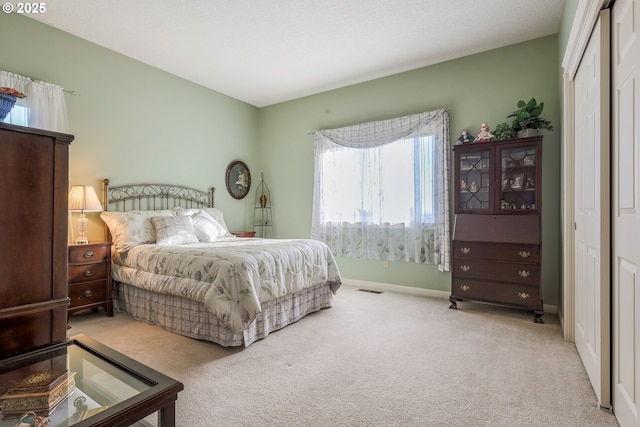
{"points": [[531, 183], [465, 138], [484, 135], [30, 419]]}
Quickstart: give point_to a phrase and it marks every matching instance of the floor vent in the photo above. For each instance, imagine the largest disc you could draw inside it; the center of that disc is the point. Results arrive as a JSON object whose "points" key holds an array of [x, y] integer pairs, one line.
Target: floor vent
{"points": [[370, 291]]}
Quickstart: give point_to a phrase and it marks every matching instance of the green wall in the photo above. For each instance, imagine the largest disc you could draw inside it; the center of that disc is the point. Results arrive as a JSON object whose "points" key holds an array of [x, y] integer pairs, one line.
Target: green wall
{"points": [[135, 123], [132, 122], [483, 87]]}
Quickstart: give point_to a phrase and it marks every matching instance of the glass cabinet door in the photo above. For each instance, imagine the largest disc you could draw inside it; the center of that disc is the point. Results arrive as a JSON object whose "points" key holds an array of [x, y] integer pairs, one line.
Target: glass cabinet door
{"points": [[518, 179], [473, 188]]}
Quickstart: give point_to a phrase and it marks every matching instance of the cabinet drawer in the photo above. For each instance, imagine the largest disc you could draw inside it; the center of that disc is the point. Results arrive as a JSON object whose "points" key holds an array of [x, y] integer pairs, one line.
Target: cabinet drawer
{"points": [[496, 292], [496, 271], [88, 253], [87, 293], [87, 272], [515, 253]]}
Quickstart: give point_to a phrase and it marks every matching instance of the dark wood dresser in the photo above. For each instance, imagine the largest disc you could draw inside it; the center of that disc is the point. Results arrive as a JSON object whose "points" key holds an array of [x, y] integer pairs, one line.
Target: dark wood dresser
{"points": [[497, 237], [34, 181]]}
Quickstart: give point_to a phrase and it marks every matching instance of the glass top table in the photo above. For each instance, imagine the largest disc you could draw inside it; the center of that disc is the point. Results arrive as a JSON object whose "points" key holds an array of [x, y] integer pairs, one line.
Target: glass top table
{"points": [[110, 388]]}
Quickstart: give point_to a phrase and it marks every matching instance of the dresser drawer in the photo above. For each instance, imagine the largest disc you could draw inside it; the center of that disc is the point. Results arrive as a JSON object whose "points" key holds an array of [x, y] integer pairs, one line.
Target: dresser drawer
{"points": [[87, 293], [515, 253], [86, 272], [88, 253], [528, 274], [505, 293]]}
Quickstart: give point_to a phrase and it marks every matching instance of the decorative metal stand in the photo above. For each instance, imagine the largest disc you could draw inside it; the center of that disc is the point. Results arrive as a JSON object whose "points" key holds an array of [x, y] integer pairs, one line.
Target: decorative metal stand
{"points": [[262, 219]]}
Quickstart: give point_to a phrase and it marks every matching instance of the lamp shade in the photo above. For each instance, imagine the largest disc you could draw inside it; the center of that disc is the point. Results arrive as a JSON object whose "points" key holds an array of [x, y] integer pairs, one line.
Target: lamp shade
{"points": [[83, 198]]}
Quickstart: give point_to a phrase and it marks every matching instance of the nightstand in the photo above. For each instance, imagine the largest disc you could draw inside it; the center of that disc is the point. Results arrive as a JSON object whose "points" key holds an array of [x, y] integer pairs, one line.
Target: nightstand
{"points": [[244, 233], [89, 277]]}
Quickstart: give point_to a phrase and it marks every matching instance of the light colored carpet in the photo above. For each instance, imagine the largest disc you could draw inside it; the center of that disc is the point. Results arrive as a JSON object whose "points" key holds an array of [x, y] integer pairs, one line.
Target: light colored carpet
{"points": [[373, 360]]}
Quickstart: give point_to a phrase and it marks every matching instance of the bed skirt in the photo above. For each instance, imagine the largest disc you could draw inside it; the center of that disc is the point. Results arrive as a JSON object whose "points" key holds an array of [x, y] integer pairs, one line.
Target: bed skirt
{"points": [[190, 318]]}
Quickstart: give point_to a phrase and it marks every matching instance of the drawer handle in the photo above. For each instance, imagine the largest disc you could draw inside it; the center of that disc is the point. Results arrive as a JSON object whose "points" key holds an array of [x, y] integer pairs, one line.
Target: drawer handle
{"points": [[465, 288], [465, 250], [522, 295], [465, 268], [524, 254], [88, 254], [88, 273], [523, 273], [88, 293]]}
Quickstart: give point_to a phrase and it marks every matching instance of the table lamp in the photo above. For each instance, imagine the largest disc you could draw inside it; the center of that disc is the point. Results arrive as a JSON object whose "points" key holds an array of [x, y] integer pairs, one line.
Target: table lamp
{"points": [[83, 198]]}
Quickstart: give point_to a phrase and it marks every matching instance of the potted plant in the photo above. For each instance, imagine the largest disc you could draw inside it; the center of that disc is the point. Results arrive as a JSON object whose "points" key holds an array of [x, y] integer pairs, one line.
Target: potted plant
{"points": [[503, 131], [527, 120]]}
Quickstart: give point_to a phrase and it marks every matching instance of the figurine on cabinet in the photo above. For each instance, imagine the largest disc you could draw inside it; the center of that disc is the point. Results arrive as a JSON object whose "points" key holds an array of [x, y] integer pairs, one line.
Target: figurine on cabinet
{"points": [[463, 185], [517, 182], [473, 187], [484, 135], [465, 138], [531, 183]]}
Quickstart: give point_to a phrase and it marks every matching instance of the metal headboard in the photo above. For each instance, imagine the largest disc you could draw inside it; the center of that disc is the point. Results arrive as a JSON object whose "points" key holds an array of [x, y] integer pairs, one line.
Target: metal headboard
{"points": [[150, 197]]}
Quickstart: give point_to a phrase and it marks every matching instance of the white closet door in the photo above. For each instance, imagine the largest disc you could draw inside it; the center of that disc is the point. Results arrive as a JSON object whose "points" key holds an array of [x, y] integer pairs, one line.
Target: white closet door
{"points": [[592, 211], [626, 211]]}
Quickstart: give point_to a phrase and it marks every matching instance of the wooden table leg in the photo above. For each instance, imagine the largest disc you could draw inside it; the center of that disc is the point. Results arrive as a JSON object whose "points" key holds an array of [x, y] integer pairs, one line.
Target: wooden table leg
{"points": [[167, 416]]}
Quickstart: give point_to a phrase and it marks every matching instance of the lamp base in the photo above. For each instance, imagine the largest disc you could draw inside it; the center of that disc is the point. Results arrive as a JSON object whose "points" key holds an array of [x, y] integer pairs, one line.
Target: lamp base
{"points": [[82, 241]]}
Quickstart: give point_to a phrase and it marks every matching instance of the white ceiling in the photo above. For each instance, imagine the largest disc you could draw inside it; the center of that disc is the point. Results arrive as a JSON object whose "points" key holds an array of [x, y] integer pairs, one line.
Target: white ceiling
{"points": [[268, 51]]}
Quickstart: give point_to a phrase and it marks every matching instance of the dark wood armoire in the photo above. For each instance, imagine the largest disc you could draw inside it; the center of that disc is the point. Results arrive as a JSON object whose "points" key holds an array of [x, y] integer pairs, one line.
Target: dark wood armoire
{"points": [[34, 181]]}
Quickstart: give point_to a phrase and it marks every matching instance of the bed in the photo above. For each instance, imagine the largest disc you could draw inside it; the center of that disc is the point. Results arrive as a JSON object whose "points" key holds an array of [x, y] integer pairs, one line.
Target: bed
{"points": [[175, 264]]}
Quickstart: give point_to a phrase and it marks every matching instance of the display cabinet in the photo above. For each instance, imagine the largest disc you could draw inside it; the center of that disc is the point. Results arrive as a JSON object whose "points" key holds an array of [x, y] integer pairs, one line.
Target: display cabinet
{"points": [[497, 239], [499, 178]]}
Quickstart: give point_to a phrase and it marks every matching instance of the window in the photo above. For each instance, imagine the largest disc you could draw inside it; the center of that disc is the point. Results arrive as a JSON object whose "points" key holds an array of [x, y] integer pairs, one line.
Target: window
{"points": [[381, 189], [400, 171], [19, 115], [43, 107]]}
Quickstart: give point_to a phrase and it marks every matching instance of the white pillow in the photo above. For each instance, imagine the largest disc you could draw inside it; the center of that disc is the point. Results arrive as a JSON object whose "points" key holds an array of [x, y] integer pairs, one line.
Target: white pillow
{"points": [[215, 213], [206, 228], [132, 228], [174, 230]]}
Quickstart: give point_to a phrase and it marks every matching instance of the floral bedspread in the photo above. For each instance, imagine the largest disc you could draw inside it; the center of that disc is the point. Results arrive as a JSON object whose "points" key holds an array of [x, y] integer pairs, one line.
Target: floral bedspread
{"points": [[231, 276]]}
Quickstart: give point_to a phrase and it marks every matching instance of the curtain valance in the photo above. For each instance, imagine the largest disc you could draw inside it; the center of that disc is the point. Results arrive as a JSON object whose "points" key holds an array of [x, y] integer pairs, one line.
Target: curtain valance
{"points": [[373, 134]]}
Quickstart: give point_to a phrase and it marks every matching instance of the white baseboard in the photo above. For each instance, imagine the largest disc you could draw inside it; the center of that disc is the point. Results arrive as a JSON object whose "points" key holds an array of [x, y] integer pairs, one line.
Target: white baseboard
{"points": [[376, 286]]}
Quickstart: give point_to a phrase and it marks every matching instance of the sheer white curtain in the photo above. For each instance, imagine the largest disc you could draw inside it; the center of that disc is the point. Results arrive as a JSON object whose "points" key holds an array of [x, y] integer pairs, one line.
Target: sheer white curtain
{"points": [[381, 189], [45, 103]]}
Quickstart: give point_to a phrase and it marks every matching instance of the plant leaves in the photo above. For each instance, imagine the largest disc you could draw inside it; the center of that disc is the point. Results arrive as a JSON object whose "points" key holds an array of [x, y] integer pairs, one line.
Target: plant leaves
{"points": [[532, 103], [537, 110]]}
